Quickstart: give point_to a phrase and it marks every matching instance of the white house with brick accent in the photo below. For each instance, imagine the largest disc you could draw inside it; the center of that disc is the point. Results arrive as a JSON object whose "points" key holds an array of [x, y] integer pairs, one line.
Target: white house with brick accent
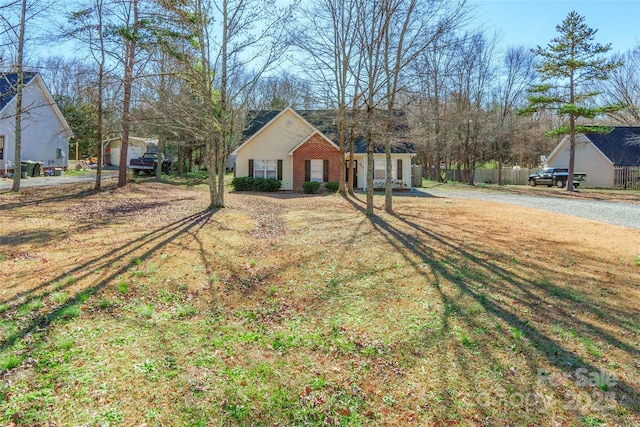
{"points": [[295, 147]]}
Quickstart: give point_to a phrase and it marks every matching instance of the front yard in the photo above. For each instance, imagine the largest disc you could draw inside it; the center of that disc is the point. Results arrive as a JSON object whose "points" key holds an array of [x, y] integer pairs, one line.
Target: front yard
{"points": [[141, 306]]}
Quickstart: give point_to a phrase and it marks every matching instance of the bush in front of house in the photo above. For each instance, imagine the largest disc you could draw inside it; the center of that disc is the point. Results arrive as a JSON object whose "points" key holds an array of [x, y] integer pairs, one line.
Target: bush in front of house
{"points": [[331, 187], [247, 183], [310, 187], [242, 183], [266, 184]]}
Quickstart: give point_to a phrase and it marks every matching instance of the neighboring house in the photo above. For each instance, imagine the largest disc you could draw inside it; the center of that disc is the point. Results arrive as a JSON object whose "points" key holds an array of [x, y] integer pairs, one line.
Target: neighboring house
{"points": [[137, 147], [600, 155], [298, 146], [45, 132]]}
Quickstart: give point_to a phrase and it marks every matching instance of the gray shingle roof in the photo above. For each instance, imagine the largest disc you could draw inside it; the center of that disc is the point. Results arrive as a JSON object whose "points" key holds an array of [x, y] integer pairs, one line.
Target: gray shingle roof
{"points": [[621, 145], [8, 85], [324, 121]]}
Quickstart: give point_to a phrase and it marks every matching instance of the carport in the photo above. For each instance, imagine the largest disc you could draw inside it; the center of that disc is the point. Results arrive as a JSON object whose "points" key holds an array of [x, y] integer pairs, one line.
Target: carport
{"points": [[111, 149]]}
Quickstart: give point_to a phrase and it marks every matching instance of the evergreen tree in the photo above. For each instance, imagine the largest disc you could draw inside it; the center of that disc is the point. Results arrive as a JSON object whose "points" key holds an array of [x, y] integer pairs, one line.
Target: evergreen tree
{"points": [[568, 62]]}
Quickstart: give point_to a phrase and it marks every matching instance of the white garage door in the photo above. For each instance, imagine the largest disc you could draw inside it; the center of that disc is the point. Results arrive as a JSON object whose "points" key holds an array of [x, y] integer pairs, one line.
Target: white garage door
{"points": [[115, 156], [133, 153]]}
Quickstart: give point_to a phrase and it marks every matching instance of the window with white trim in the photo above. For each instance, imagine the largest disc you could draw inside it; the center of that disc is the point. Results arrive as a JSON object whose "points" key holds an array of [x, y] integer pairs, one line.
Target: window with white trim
{"points": [[1, 147], [317, 170], [265, 168], [379, 169]]}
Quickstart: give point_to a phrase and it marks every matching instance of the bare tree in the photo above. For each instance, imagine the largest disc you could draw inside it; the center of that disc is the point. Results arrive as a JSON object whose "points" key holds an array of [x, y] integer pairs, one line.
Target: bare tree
{"points": [[19, 89], [251, 35], [87, 26], [330, 42], [514, 77], [130, 34], [281, 91], [623, 88], [433, 71], [411, 27]]}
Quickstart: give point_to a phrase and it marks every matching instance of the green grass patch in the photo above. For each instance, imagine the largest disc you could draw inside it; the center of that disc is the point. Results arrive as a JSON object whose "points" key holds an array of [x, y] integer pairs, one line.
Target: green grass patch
{"points": [[9, 361], [144, 310], [123, 287], [59, 297], [70, 312], [186, 311]]}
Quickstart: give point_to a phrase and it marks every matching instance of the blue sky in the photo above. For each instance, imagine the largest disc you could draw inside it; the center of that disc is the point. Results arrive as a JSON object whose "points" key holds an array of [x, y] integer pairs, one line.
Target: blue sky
{"points": [[532, 23]]}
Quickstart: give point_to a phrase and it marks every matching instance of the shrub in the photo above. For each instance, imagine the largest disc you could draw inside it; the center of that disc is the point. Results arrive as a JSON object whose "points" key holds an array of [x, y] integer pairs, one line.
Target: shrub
{"points": [[310, 187], [247, 183], [266, 184], [242, 183], [331, 186]]}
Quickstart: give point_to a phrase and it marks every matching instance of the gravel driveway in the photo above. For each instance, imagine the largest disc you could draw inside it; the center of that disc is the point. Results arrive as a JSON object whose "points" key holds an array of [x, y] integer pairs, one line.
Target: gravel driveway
{"points": [[44, 181], [625, 214]]}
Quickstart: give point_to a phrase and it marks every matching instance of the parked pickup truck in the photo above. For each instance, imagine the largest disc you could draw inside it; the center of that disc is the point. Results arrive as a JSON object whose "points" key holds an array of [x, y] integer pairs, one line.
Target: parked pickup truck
{"points": [[147, 163], [555, 176]]}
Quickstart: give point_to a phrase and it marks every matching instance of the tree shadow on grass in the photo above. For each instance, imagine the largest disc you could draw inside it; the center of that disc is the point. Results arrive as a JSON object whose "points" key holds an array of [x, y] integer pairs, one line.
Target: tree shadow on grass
{"points": [[31, 199], [158, 238], [553, 352]]}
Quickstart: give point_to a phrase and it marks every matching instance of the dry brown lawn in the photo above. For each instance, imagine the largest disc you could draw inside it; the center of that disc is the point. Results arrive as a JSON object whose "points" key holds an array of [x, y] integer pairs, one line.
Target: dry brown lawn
{"points": [[140, 305]]}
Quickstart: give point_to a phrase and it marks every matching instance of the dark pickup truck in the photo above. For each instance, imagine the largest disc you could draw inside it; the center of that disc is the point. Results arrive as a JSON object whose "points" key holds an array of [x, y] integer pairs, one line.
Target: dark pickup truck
{"points": [[555, 176], [147, 163]]}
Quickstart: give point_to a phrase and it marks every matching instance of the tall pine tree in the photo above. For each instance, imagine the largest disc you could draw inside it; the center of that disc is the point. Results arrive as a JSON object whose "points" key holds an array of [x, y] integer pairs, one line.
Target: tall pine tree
{"points": [[568, 62]]}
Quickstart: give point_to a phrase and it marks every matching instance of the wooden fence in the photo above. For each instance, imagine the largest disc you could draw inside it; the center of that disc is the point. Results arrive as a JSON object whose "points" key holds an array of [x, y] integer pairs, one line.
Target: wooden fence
{"points": [[509, 176], [627, 177]]}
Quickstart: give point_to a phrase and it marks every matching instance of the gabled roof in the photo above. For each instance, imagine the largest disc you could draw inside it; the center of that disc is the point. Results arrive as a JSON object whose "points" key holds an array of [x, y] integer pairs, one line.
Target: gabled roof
{"points": [[621, 145], [311, 136], [8, 85], [259, 120], [324, 121]]}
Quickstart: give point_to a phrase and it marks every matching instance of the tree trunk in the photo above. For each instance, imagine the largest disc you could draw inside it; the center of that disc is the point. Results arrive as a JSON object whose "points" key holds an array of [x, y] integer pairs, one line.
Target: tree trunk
{"points": [[130, 57], [17, 166], [341, 138], [181, 160], [572, 130], [369, 209], [388, 188], [211, 168], [99, 130], [220, 172], [100, 124], [161, 146]]}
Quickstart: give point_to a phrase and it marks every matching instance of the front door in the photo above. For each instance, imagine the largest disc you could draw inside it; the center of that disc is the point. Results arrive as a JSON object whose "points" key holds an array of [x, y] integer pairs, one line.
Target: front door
{"points": [[355, 173]]}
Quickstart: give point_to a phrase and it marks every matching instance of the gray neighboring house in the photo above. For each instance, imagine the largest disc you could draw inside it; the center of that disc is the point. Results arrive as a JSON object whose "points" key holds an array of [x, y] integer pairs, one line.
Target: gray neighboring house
{"points": [[45, 132], [604, 157]]}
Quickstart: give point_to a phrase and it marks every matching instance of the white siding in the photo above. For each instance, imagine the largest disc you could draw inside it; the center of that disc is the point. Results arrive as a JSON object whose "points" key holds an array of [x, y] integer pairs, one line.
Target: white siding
{"points": [[42, 131], [589, 159], [274, 143], [362, 167]]}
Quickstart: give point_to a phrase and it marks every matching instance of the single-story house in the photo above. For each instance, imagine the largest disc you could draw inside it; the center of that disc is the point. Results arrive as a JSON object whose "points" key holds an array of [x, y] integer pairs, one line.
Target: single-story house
{"points": [[137, 147], [45, 132], [598, 154], [299, 146]]}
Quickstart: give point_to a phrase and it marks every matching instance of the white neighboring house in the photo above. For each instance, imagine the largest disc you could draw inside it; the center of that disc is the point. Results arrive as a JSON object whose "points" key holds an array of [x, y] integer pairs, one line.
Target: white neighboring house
{"points": [[45, 132], [600, 154], [297, 146]]}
